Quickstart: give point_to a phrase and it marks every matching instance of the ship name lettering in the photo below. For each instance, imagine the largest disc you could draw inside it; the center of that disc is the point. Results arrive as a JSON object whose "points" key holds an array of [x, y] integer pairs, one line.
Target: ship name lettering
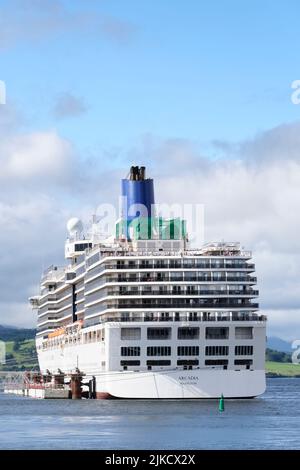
{"points": [[189, 377]]}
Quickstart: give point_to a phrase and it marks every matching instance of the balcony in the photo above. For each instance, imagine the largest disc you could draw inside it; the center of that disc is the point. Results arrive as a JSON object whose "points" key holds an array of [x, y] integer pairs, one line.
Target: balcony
{"points": [[179, 303], [52, 275], [170, 277], [187, 293], [186, 317]]}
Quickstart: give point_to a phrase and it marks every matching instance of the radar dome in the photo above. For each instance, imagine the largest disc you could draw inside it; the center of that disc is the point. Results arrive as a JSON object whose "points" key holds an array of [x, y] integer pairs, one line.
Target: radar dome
{"points": [[74, 225]]}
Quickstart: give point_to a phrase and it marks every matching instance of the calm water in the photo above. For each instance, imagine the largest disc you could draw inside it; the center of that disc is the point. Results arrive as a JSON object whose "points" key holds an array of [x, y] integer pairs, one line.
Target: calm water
{"points": [[269, 422]]}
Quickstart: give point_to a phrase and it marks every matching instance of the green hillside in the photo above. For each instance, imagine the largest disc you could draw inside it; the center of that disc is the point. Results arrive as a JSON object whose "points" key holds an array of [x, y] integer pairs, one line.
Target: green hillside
{"points": [[11, 333], [282, 369], [20, 355]]}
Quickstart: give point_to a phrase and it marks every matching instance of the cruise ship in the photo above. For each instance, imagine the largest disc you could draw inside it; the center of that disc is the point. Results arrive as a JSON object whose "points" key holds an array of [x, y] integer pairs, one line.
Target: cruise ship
{"points": [[147, 316]]}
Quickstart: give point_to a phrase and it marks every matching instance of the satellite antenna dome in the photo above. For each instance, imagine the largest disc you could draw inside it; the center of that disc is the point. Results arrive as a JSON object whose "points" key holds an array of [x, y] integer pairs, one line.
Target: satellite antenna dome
{"points": [[74, 225]]}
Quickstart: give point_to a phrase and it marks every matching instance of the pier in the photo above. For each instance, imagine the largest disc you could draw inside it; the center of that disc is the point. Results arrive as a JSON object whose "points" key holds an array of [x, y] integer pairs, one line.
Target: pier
{"points": [[74, 386]]}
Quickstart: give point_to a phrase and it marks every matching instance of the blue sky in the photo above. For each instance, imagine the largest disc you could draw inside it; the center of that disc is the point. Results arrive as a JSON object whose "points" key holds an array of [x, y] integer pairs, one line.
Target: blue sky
{"points": [[198, 91], [197, 70]]}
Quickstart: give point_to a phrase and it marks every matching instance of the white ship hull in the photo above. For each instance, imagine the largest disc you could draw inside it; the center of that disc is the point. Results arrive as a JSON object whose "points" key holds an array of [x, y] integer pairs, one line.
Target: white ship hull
{"points": [[197, 383], [164, 384]]}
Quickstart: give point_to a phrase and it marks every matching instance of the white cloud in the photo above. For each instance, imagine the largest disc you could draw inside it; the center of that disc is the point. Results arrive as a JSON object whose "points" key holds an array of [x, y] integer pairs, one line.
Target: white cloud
{"points": [[17, 314], [33, 155], [284, 324], [35, 20]]}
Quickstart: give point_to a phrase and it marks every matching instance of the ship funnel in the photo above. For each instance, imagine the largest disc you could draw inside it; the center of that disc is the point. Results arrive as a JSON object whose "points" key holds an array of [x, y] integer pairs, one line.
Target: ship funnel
{"points": [[137, 196]]}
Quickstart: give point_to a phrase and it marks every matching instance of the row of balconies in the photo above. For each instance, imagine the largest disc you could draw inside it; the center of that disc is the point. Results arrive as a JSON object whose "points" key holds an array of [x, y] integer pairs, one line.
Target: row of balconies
{"points": [[182, 264], [176, 277], [189, 291], [181, 303], [128, 266], [165, 293], [173, 303], [182, 317]]}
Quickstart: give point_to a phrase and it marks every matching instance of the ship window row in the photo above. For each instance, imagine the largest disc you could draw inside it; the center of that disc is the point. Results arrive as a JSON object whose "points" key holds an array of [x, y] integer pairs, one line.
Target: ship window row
{"points": [[200, 276], [157, 276], [216, 362], [96, 335], [159, 351], [216, 350], [187, 363], [130, 351], [243, 362], [175, 303], [181, 264], [186, 333], [244, 350], [73, 338], [150, 363], [186, 351], [183, 333], [181, 290], [82, 246], [178, 316]]}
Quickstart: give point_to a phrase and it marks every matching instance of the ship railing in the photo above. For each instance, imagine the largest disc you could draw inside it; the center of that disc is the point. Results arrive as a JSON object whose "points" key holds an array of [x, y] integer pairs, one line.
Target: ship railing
{"points": [[211, 293], [53, 273], [139, 277], [178, 253], [200, 266], [138, 303], [246, 318]]}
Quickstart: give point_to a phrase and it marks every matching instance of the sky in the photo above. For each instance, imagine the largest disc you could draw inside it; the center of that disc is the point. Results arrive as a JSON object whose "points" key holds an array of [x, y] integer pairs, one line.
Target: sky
{"points": [[200, 92]]}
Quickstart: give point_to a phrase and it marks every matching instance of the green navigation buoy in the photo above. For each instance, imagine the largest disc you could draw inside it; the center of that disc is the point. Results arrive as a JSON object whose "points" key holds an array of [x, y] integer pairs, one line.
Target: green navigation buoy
{"points": [[221, 403]]}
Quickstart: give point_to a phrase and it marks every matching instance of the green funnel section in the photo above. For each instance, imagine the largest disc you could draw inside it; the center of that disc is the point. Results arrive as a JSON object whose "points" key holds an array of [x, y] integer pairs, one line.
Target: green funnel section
{"points": [[152, 228]]}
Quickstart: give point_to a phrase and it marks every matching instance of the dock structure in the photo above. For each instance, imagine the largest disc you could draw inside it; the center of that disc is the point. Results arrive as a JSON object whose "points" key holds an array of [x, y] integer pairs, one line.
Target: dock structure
{"points": [[57, 386]]}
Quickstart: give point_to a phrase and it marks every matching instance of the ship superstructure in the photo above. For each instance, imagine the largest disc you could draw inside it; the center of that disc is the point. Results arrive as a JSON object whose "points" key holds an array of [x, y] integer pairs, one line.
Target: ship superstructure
{"points": [[146, 315]]}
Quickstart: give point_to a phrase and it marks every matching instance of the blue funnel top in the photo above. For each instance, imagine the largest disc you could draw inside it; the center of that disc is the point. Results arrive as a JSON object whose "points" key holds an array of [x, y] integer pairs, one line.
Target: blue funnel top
{"points": [[137, 195]]}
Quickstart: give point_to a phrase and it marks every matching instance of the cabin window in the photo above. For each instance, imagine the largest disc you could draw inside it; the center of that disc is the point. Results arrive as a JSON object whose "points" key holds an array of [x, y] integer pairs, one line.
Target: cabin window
{"points": [[130, 363], [244, 332], [188, 350], [216, 362], [216, 350], [161, 362], [130, 333], [130, 351], [243, 350], [187, 362], [159, 351], [188, 332], [159, 333], [217, 333]]}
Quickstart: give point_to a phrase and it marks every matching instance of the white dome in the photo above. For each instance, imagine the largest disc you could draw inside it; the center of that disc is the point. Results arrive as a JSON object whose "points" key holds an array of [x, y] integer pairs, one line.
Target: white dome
{"points": [[74, 225]]}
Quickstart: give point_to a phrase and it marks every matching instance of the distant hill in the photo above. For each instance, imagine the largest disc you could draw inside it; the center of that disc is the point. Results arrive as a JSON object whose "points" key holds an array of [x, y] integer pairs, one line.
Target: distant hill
{"points": [[277, 356], [279, 344], [20, 355], [11, 333]]}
